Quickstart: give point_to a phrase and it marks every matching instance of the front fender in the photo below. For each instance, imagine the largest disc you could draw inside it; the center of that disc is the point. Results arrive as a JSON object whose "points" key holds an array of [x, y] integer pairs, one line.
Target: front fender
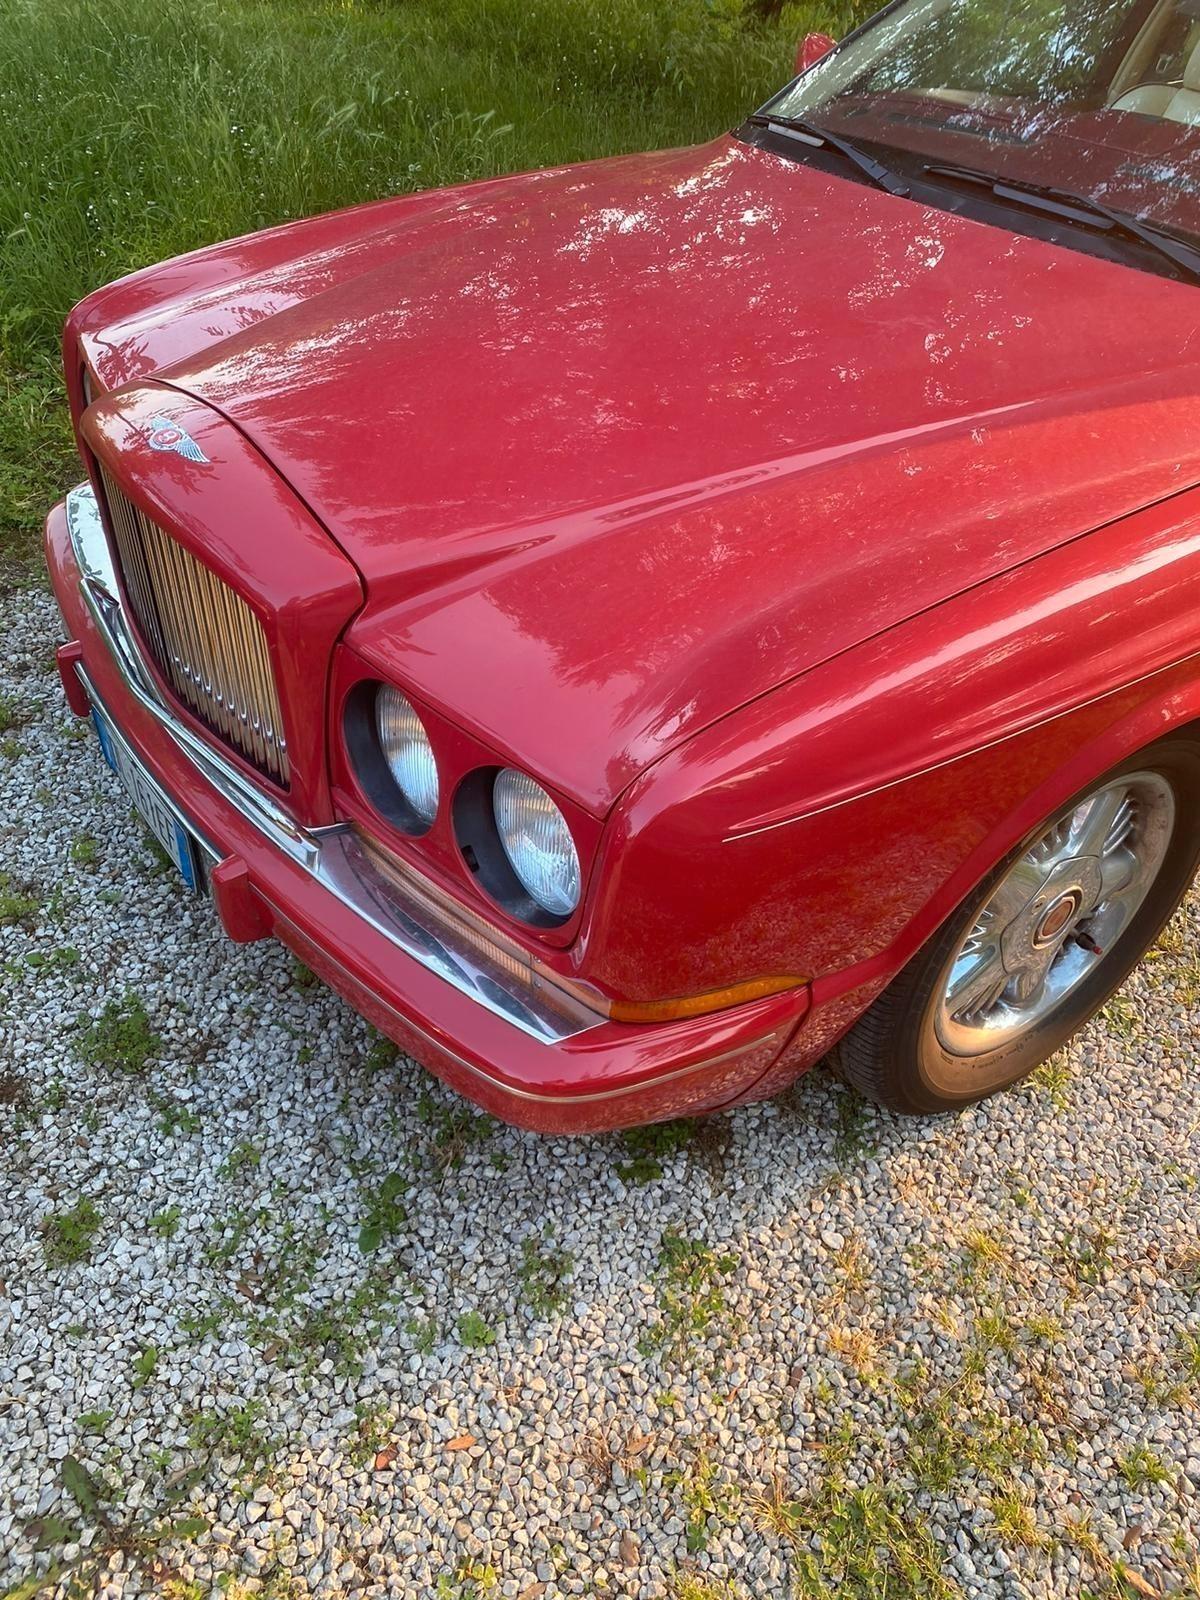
{"points": [[829, 828]]}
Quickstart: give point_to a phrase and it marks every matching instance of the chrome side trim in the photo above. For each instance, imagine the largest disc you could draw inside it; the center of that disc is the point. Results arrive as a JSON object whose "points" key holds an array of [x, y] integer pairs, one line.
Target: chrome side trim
{"points": [[332, 856], [592, 1096]]}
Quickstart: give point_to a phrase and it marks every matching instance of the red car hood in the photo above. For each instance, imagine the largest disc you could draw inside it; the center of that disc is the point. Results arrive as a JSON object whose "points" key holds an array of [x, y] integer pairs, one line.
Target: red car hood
{"points": [[619, 448]]}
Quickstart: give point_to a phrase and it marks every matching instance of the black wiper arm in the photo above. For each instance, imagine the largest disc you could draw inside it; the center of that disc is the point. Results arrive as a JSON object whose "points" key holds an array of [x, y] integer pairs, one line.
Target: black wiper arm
{"points": [[1065, 202], [883, 177]]}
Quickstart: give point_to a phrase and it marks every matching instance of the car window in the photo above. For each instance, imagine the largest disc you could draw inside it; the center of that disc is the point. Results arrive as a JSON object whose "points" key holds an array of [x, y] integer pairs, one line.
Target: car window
{"points": [[1101, 97]]}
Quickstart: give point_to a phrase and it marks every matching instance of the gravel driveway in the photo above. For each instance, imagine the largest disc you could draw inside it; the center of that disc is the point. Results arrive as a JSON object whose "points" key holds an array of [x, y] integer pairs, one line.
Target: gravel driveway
{"points": [[280, 1315]]}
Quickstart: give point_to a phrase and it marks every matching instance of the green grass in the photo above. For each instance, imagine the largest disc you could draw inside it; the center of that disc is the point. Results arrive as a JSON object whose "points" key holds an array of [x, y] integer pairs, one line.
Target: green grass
{"points": [[474, 1333], [68, 1235], [544, 1271], [131, 131], [691, 1296], [120, 1038], [16, 905]]}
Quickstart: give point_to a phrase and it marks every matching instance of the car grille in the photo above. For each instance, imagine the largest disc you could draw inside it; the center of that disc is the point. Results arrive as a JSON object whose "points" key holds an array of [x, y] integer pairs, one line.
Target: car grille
{"points": [[207, 642]]}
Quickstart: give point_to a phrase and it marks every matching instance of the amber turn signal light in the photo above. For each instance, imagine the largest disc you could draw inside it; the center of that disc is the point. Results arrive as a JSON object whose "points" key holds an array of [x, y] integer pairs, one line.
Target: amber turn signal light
{"points": [[699, 1005]]}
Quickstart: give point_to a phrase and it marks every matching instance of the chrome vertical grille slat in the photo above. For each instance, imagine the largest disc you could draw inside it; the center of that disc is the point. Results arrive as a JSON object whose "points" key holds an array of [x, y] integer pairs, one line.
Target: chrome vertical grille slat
{"points": [[205, 639]]}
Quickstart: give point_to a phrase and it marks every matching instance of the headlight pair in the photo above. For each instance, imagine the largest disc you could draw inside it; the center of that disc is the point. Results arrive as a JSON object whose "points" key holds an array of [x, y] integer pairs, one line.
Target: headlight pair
{"points": [[531, 829]]}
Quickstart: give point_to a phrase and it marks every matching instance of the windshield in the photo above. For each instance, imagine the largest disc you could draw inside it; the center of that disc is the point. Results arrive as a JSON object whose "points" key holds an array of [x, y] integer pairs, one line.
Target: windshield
{"points": [[1098, 97]]}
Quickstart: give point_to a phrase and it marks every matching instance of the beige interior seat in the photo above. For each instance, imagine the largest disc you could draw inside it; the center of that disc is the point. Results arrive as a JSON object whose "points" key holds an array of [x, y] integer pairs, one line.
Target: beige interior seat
{"points": [[1173, 102]]}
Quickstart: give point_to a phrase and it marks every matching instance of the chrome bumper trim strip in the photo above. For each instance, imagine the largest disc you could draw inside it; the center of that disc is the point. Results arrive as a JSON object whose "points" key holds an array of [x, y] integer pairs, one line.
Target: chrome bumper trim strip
{"points": [[544, 1097], [332, 856]]}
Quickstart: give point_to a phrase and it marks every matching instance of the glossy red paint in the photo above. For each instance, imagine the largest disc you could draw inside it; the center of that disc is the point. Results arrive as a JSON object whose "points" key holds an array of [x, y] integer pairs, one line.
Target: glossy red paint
{"points": [[806, 577], [637, 532]]}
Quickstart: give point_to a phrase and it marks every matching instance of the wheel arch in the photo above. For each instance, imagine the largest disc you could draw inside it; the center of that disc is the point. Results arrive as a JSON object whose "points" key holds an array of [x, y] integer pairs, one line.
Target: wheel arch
{"points": [[1158, 716]]}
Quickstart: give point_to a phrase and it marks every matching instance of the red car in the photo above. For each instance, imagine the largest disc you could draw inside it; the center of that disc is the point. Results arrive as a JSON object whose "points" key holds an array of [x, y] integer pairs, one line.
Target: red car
{"points": [[636, 627]]}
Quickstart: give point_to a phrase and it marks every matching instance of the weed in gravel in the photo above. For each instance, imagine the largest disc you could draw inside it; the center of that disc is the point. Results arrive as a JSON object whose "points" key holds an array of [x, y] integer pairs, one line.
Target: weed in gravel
{"points": [[73, 1569], [174, 1116], [1140, 1467], [996, 1330], [1121, 1581], [1189, 1356], [385, 1214], [13, 715], [649, 1147], [873, 1541], [229, 1234], [454, 1129], [56, 1096], [244, 1157], [1015, 1521], [1056, 1078], [691, 1295], [852, 1141], [145, 1365], [1086, 1255], [120, 1038], [859, 1347], [1121, 1016], [17, 905], [699, 1586], [341, 1333], [68, 1236], [1045, 1328], [199, 1324], [64, 958], [1184, 1265], [235, 1435], [84, 852], [423, 1331], [373, 1425], [473, 1332], [984, 1254], [706, 1496], [852, 1275], [467, 1580], [165, 1223], [156, 863], [381, 1054], [544, 1270], [95, 1421], [952, 1431], [601, 1451]]}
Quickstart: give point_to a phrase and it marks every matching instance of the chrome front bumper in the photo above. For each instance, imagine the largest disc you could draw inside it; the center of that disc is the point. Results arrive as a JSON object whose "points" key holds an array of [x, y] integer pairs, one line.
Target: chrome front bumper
{"points": [[396, 906]]}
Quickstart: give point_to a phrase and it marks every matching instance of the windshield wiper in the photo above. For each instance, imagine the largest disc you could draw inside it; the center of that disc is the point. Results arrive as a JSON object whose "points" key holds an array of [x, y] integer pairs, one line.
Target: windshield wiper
{"points": [[879, 175], [1076, 208]]}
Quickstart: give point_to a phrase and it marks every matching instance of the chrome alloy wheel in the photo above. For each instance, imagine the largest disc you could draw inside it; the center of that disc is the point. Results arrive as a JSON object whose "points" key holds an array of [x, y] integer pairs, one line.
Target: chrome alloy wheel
{"points": [[1054, 916]]}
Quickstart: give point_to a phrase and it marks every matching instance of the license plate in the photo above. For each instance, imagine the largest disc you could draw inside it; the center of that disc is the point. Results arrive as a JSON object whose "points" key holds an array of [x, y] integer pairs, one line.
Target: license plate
{"points": [[152, 805]]}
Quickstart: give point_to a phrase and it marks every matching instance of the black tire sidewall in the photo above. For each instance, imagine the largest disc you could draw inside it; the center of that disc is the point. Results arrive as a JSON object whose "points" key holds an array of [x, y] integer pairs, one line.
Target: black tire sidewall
{"points": [[925, 1073]]}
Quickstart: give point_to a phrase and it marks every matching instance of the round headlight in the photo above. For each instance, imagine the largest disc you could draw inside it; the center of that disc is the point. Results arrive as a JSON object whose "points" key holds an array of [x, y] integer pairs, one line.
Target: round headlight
{"points": [[407, 751], [537, 842]]}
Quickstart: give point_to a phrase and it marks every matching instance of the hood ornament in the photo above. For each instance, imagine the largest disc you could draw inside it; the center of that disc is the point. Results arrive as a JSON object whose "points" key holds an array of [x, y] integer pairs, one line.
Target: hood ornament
{"points": [[168, 435]]}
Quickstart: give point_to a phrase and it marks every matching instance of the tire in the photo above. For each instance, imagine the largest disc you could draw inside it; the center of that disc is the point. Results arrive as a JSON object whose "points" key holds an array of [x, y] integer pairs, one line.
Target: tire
{"points": [[912, 1052]]}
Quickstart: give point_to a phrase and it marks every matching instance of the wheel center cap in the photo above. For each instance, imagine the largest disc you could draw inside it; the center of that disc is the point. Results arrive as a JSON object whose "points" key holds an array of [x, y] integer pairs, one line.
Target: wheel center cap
{"points": [[1056, 918]]}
